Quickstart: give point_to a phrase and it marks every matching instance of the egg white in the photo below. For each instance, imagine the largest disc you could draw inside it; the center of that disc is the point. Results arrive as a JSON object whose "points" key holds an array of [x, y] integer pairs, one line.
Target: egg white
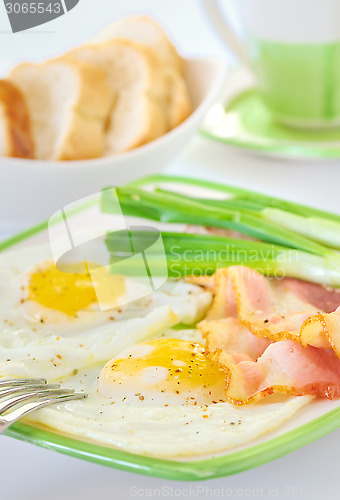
{"points": [[165, 431]]}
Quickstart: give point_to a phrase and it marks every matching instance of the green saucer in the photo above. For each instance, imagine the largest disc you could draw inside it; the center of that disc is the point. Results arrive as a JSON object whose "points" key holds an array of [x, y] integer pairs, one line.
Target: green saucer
{"points": [[246, 122]]}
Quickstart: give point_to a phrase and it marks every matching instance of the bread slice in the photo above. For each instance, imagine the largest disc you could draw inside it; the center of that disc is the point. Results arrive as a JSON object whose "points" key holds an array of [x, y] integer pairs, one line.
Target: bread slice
{"points": [[146, 31], [178, 98], [138, 113], [15, 128], [68, 103]]}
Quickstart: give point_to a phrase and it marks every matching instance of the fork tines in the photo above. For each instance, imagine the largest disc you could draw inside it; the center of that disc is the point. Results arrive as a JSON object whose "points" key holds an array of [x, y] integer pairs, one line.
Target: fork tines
{"points": [[19, 397], [23, 381]]}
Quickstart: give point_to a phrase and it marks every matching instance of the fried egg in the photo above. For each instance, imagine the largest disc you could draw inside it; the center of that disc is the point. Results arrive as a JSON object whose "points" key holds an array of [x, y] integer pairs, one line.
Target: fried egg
{"points": [[49, 296], [163, 371], [158, 426], [52, 325]]}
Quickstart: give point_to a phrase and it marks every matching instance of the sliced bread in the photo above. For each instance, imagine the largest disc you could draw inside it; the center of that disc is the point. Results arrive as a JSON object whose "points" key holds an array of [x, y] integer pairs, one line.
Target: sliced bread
{"points": [[178, 98], [146, 31], [138, 113], [151, 36], [68, 103], [15, 128]]}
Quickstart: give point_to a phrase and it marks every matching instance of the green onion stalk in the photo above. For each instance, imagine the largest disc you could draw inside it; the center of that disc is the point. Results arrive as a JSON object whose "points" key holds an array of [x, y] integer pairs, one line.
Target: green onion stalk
{"points": [[290, 239]]}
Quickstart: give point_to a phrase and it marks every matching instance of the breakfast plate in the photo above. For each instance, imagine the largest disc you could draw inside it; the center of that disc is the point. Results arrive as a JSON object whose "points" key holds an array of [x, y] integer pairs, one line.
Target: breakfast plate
{"points": [[243, 121], [309, 423]]}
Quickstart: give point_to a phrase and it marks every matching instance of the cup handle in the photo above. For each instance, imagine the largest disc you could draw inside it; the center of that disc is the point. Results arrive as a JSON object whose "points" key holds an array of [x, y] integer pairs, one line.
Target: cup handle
{"points": [[223, 30]]}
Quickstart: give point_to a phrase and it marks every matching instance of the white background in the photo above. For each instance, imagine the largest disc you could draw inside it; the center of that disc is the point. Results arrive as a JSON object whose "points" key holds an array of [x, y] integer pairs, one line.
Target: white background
{"points": [[312, 472], [182, 18]]}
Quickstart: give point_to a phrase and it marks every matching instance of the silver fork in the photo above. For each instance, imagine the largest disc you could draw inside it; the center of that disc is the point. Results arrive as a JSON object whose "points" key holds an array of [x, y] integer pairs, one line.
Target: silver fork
{"points": [[20, 397]]}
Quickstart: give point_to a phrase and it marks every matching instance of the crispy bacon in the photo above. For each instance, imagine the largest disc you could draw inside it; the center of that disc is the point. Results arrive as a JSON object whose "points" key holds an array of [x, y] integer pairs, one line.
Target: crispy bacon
{"points": [[258, 367], [274, 335], [324, 298], [230, 336], [278, 309]]}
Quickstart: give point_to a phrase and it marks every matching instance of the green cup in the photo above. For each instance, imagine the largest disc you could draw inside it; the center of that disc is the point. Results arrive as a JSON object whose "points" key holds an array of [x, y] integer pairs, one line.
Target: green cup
{"points": [[293, 49]]}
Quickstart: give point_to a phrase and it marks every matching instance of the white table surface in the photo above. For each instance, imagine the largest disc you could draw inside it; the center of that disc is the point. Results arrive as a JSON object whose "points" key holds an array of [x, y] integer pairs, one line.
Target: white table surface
{"points": [[311, 472]]}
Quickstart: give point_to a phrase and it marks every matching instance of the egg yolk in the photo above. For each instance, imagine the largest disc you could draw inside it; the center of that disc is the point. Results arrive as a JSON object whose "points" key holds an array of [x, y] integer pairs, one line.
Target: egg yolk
{"points": [[72, 292], [164, 370]]}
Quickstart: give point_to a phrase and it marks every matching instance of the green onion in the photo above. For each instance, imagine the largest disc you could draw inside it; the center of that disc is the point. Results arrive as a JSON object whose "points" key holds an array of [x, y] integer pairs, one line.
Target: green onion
{"points": [[291, 239], [316, 228], [171, 207], [236, 193], [188, 254]]}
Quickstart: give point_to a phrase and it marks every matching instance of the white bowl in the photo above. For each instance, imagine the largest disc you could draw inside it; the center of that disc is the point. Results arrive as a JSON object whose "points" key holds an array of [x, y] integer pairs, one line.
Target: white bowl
{"points": [[31, 190]]}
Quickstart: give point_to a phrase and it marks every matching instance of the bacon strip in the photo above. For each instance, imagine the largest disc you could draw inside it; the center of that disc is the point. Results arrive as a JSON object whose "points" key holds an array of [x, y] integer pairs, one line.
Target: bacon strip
{"points": [[278, 309], [257, 367], [273, 335], [230, 336], [287, 367]]}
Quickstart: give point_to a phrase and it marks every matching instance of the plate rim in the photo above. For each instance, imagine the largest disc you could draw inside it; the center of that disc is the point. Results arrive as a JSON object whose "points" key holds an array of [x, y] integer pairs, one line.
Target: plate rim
{"points": [[282, 151], [191, 470]]}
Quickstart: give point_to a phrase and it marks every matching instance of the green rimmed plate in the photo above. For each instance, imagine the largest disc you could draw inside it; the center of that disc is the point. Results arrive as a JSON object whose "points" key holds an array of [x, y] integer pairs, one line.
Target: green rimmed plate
{"points": [[244, 121], [311, 422]]}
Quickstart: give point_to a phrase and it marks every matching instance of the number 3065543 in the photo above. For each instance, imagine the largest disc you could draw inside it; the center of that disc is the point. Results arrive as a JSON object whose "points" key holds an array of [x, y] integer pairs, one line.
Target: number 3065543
{"points": [[33, 8]]}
